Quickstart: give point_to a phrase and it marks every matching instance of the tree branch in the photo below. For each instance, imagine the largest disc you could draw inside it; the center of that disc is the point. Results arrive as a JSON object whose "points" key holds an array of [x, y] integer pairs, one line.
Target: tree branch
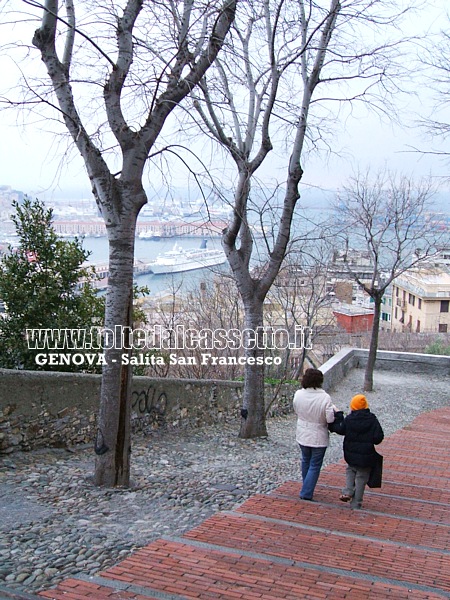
{"points": [[51, 16], [177, 91], [114, 85]]}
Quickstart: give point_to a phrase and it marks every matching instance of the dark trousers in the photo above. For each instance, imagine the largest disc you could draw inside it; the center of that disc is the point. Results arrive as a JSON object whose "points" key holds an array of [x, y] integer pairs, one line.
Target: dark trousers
{"points": [[355, 483]]}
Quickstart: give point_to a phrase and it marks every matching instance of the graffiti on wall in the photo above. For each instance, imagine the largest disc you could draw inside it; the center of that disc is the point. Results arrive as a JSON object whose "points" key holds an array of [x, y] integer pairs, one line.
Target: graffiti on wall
{"points": [[150, 402]]}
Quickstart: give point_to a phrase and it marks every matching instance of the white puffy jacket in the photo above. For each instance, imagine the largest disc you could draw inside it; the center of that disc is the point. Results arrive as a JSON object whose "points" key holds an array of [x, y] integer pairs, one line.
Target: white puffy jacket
{"points": [[314, 411]]}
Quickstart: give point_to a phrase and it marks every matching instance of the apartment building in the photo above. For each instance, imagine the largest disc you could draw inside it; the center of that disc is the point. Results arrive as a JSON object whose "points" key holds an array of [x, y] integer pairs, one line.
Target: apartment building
{"points": [[420, 300]]}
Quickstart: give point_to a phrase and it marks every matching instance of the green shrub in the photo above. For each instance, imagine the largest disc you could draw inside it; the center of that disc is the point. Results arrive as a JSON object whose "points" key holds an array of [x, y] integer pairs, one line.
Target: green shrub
{"points": [[438, 347]]}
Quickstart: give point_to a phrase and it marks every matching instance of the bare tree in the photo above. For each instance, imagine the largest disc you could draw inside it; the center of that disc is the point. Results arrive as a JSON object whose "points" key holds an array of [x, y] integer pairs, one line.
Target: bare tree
{"points": [[386, 217], [436, 60], [302, 290], [133, 63], [263, 92], [212, 309]]}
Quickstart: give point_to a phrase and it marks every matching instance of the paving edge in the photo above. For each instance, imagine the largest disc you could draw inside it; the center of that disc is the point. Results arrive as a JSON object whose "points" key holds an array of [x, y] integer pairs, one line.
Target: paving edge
{"points": [[9, 594], [334, 532], [366, 510]]}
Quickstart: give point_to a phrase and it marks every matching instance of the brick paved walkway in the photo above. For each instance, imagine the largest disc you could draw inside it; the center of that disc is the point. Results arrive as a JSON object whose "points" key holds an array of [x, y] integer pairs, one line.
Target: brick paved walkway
{"points": [[276, 547]]}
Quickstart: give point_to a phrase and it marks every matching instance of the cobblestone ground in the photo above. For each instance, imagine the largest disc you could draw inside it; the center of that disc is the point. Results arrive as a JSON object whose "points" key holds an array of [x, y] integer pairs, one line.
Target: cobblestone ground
{"points": [[54, 523]]}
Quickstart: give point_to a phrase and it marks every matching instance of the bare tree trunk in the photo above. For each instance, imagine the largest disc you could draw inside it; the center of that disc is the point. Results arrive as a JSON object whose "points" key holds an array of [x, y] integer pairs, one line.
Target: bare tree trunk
{"points": [[253, 422], [368, 375], [113, 442]]}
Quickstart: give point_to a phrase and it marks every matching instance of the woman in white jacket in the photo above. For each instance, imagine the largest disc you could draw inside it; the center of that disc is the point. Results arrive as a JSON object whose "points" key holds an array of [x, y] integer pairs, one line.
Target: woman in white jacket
{"points": [[314, 411]]}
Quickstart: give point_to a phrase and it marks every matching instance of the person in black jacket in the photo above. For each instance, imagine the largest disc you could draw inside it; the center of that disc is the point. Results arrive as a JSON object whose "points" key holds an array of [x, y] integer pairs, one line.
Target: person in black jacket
{"points": [[362, 430]]}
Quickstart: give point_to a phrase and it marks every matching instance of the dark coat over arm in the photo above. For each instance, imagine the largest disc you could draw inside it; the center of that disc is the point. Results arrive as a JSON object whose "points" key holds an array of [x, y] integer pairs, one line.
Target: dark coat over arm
{"points": [[362, 432]]}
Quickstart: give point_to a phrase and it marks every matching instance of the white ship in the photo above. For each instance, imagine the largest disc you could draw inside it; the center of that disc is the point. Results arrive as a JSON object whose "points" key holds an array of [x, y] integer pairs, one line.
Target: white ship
{"points": [[147, 235], [179, 260]]}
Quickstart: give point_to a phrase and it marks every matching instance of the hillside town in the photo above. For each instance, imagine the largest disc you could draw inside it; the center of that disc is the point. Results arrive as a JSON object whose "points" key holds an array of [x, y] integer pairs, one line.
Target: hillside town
{"points": [[327, 300]]}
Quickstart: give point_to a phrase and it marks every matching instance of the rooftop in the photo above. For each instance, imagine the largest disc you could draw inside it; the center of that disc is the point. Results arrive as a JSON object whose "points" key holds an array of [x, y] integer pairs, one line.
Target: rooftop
{"points": [[352, 310], [426, 279]]}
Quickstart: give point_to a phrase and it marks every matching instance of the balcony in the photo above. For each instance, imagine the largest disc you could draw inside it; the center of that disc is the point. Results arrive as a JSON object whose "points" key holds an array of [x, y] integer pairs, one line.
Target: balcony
{"points": [[401, 303]]}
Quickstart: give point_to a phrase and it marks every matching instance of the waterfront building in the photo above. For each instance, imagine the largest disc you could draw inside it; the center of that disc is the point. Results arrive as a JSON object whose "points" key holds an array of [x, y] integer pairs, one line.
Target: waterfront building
{"points": [[146, 229]]}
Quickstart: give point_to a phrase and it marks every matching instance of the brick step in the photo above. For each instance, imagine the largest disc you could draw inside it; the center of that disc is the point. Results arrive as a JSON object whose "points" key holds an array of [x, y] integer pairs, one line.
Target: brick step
{"points": [[399, 477], [422, 489], [435, 419], [400, 452], [405, 473], [423, 427], [417, 452], [327, 517], [427, 427], [401, 473], [440, 420], [440, 415], [419, 440], [416, 467], [393, 506], [414, 451], [402, 465], [205, 572], [330, 550]]}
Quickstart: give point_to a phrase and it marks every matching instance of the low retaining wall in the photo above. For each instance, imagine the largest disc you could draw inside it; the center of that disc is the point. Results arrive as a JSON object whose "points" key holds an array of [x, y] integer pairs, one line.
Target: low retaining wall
{"points": [[41, 409], [339, 365], [406, 362]]}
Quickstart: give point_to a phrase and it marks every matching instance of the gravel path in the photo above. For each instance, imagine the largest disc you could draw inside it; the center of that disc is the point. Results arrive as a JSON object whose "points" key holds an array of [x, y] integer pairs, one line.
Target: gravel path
{"points": [[55, 524]]}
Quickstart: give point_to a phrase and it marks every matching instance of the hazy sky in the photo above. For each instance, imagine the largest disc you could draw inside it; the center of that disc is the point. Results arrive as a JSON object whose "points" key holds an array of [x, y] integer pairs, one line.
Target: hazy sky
{"points": [[29, 157]]}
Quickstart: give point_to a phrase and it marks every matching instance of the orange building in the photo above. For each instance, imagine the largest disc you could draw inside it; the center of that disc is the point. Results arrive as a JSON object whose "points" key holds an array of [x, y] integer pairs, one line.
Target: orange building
{"points": [[354, 319]]}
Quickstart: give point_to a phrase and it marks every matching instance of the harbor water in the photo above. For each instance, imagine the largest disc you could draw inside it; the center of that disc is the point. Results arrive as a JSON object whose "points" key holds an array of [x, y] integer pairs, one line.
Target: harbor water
{"points": [[147, 251]]}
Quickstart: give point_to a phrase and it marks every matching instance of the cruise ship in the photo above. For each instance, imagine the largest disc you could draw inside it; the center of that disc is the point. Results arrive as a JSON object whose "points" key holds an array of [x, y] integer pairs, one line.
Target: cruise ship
{"points": [[179, 260]]}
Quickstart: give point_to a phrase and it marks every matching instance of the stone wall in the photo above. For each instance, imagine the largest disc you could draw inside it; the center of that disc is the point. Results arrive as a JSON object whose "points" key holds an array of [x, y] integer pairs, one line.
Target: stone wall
{"points": [[40, 409], [338, 366], [406, 362]]}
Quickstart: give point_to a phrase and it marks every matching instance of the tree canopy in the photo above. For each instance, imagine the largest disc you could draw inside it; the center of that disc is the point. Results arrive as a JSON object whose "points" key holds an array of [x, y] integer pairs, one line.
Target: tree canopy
{"points": [[44, 285]]}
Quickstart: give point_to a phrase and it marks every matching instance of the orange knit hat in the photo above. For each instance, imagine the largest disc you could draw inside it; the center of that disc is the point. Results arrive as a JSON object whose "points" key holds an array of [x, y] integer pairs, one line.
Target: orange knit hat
{"points": [[358, 402]]}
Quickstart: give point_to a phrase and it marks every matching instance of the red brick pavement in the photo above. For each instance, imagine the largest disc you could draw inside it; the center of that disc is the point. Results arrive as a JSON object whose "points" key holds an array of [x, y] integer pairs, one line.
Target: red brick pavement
{"points": [[277, 547], [327, 548], [380, 526], [410, 487], [399, 506]]}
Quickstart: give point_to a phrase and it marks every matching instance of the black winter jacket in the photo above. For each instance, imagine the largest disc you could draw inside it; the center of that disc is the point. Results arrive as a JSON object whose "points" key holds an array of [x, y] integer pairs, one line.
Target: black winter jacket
{"points": [[362, 430]]}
